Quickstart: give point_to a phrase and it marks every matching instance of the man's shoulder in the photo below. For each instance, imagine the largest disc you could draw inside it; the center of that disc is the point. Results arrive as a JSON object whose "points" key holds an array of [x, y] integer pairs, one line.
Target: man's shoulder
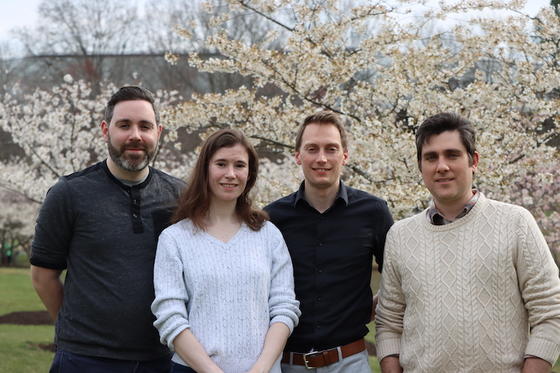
{"points": [[282, 203], [283, 209], [84, 174], [364, 202], [413, 222], [75, 181], [358, 195], [504, 205], [508, 210], [167, 178], [164, 175]]}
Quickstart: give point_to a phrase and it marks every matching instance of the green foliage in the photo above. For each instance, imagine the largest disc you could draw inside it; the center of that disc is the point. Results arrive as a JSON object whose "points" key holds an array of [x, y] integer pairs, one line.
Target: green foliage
{"points": [[21, 259]]}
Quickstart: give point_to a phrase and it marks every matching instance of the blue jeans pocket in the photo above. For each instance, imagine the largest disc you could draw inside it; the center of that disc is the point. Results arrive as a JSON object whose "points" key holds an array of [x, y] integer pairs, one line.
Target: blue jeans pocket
{"points": [[56, 366]]}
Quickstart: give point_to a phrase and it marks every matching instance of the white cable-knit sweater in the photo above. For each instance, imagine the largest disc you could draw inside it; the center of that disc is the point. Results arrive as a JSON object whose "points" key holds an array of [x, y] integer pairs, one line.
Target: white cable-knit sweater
{"points": [[228, 294], [476, 295]]}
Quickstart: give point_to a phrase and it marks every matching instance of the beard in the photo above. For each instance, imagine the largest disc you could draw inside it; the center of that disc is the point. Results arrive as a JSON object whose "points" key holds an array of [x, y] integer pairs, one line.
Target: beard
{"points": [[131, 162]]}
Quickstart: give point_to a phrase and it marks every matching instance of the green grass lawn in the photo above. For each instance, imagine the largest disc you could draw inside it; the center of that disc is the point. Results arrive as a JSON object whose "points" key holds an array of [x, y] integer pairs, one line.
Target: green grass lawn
{"points": [[17, 292], [19, 344], [373, 363], [19, 351]]}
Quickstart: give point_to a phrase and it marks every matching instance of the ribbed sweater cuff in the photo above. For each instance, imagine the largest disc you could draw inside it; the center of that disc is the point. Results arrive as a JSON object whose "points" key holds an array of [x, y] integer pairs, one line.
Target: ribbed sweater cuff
{"points": [[544, 349], [389, 346]]}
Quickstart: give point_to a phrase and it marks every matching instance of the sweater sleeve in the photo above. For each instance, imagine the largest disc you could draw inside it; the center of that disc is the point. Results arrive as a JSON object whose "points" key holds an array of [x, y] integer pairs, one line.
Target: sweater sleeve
{"points": [[540, 288], [390, 309], [171, 297], [283, 306]]}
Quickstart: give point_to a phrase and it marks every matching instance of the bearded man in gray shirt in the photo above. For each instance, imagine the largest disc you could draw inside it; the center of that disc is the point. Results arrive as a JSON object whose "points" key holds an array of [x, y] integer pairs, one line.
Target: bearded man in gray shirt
{"points": [[101, 224]]}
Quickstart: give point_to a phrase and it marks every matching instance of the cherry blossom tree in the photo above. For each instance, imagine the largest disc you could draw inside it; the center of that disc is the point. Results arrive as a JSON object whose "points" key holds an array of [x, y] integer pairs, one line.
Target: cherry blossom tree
{"points": [[385, 72], [58, 132]]}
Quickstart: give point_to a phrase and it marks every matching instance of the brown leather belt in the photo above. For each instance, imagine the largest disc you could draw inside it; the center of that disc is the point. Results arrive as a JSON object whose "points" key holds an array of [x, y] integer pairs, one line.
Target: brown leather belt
{"points": [[323, 358]]}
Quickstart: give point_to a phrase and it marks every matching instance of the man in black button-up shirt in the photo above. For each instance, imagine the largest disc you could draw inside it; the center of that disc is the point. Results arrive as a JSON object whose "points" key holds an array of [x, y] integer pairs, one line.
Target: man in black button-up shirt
{"points": [[332, 232]]}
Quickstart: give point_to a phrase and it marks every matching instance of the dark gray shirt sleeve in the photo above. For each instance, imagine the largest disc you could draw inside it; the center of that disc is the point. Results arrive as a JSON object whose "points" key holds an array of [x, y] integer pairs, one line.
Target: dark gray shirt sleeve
{"points": [[53, 231]]}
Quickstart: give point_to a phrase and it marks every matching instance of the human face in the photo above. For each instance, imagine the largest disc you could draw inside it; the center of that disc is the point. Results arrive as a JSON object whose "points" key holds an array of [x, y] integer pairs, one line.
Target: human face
{"points": [[132, 136], [321, 156], [228, 172], [447, 170]]}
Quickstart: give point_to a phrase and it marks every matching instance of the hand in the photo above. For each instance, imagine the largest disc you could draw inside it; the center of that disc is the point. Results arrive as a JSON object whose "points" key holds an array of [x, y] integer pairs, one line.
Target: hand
{"points": [[257, 368], [273, 345], [534, 364], [391, 364]]}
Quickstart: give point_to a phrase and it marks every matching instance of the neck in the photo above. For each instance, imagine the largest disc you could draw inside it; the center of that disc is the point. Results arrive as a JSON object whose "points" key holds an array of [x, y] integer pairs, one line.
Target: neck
{"points": [[321, 198], [222, 212], [123, 174], [451, 209]]}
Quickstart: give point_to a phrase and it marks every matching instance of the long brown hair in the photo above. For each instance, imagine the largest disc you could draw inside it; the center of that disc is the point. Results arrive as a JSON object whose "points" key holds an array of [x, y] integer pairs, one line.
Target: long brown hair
{"points": [[194, 202]]}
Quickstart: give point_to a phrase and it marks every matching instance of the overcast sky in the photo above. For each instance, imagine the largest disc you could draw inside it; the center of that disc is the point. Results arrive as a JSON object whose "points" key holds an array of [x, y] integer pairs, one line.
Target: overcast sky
{"points": [[16, 13]]}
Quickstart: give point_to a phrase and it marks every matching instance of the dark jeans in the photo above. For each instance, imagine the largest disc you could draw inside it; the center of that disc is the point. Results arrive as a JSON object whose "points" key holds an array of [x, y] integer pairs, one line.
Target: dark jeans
{"points": [[68, 362], [178, 368]]}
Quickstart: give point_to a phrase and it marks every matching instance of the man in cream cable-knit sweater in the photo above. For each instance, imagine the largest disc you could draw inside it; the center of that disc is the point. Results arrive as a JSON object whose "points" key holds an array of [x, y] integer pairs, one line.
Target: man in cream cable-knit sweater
{"points": [[469, 285]]}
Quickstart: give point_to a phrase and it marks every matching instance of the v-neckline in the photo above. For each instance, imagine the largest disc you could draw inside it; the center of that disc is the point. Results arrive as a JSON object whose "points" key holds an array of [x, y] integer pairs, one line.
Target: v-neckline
{"points": [[228, 242]]}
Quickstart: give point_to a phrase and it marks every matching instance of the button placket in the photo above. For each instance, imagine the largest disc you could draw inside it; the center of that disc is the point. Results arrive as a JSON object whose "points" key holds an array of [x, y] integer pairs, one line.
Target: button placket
{"points": [[135, 199]]}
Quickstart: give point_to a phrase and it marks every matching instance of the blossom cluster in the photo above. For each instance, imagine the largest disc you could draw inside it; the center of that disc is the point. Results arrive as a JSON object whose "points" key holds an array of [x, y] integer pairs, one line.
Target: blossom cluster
{"points": [[58, 132]]}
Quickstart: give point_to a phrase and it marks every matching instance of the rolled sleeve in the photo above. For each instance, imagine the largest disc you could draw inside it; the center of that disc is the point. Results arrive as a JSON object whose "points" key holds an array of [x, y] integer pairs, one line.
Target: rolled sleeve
{"points": [[391, 307], [283, 305], [540, 288]]}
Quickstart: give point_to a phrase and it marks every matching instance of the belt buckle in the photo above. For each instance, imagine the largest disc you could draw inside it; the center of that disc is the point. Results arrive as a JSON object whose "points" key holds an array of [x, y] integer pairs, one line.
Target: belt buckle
{"points": [[313, 353]]}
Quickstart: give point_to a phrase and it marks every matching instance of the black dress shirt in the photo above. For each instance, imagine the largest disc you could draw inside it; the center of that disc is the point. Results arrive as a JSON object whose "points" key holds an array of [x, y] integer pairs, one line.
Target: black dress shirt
{"points": [[332, 254]]}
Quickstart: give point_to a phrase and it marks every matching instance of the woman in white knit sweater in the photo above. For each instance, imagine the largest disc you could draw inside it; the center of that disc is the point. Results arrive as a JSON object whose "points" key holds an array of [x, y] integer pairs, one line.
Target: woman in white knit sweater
{"points": [[223, 277]]}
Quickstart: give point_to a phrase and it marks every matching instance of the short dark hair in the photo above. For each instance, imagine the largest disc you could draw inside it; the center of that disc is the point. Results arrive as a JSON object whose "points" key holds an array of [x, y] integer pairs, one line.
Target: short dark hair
{"points": [[323, 117], [129, 93], [442, 122], [194, 202]]}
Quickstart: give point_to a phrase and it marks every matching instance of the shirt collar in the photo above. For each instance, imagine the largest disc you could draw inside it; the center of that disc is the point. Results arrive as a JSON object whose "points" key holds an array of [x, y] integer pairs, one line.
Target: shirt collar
{"points": [[341, 194], [436, 218]]}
